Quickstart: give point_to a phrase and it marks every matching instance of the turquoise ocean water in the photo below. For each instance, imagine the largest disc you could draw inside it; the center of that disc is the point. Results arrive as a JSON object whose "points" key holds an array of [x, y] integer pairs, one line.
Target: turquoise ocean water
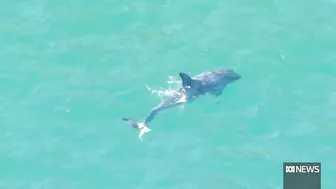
{"points": [[71, 69]]}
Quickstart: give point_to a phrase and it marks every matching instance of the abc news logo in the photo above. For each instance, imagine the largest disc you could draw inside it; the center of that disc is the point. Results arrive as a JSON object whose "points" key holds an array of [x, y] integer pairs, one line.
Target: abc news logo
{"points": [[302, 169]]}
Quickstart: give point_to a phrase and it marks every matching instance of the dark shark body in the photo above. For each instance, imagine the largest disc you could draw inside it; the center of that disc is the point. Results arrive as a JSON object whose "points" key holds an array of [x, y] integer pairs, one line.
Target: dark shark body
{"points": [[192, 87]]}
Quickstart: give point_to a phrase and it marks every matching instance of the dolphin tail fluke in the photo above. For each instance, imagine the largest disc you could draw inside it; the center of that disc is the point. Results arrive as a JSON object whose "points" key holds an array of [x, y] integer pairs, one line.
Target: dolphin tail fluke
{"points": [[137, 125]]}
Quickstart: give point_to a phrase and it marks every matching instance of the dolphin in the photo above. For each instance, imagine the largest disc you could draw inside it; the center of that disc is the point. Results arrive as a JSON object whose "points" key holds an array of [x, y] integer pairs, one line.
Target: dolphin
{"points": [[192, 87]]}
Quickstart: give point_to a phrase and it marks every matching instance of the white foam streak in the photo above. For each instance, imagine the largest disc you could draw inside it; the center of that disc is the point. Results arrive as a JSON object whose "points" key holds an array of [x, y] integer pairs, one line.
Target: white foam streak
{"points": [[173, 86]]}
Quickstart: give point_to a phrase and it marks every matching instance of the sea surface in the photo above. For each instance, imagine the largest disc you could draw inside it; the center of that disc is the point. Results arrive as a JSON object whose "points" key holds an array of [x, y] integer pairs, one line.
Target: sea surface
{"points": [[70, 69]]}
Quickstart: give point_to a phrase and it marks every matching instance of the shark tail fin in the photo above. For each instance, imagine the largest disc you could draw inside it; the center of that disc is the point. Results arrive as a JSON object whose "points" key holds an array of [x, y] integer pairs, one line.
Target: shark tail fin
{"points": [[137, 125]]}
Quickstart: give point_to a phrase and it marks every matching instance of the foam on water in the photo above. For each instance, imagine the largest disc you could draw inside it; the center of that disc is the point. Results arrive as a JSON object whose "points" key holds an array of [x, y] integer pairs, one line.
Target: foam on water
{"points": [[173, 86]]}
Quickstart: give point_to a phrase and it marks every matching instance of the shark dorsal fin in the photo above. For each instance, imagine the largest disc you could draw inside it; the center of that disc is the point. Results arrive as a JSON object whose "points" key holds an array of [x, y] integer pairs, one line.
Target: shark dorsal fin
{"points": [[187, 81]]}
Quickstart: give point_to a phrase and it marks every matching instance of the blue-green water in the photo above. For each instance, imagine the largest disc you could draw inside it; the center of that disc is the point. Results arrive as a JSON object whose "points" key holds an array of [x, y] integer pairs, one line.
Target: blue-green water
{"points": [[71, 69]]}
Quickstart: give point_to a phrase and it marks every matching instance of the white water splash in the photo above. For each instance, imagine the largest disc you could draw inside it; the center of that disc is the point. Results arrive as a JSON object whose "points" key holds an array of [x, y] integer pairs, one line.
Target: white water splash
{"points": [[173, 86]]}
